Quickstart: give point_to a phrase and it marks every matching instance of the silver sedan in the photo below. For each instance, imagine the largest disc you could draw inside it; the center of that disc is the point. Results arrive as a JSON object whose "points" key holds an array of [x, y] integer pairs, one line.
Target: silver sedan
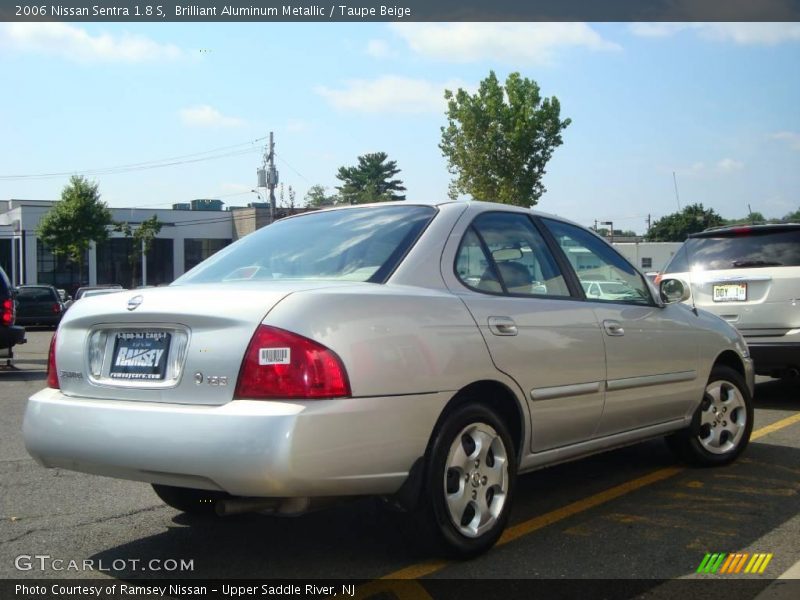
{"points": [[426, 354]]}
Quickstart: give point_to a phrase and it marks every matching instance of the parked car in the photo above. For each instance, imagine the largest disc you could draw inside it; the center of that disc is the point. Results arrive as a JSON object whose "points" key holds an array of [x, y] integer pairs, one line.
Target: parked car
{"points": [[38, 305], [10, 334], [749, 276], [424, 353], [94, 290]]}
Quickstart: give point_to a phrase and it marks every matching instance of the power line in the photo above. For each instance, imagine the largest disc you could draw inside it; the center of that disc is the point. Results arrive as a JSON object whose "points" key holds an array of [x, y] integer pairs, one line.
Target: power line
{"points": [[222, 152]]}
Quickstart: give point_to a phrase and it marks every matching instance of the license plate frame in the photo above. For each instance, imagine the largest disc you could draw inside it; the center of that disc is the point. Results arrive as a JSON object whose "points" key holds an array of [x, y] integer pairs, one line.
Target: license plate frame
{"points": [[729, 292], [140, 355]]}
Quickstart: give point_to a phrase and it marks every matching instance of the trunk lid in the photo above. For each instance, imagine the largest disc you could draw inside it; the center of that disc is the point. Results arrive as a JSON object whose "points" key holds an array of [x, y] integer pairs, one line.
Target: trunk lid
{"points": [[179, 344]]}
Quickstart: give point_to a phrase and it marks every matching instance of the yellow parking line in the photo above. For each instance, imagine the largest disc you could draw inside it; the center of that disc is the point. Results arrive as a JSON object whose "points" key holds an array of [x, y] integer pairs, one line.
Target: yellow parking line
{"points": [[519, 530], [775, 426]]}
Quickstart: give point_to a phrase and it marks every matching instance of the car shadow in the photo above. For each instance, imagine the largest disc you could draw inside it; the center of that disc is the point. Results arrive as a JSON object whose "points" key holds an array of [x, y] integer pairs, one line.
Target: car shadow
{"points": [[15, 373], [778, 394], [663, 529]]}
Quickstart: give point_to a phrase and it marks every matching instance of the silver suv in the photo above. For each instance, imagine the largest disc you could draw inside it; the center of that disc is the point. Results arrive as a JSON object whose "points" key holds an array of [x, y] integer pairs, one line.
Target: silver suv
{"points": [[749, 276]]}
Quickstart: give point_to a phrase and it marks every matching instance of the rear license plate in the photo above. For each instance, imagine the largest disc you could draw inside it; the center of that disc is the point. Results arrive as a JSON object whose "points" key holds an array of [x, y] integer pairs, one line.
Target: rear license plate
{"points": [[730, 292], [140, 355]]}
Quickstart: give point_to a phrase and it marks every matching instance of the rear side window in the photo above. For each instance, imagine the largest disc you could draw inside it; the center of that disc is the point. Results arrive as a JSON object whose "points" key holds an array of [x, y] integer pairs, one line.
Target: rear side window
{"points": [[745, 249], [504, 253]]}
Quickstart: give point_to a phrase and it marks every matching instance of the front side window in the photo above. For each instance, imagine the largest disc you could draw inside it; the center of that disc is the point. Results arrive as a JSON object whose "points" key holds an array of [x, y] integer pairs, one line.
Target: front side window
{"points": [[603, 273], [354, 244], [504, 253]]}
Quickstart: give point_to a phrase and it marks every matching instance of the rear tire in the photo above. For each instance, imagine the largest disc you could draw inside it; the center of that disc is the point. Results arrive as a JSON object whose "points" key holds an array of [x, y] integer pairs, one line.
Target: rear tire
{"points": [[722, 423], [469, 478], [188, 500]]}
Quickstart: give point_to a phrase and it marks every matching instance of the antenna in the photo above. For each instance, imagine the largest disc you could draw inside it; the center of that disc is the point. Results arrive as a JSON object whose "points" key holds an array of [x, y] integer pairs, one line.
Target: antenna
{"points": [[677, 198]]}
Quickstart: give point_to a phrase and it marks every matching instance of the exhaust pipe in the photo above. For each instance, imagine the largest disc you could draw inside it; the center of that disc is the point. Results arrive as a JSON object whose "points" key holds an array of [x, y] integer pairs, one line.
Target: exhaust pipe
{"points": [[281, 506], [238, 506]]}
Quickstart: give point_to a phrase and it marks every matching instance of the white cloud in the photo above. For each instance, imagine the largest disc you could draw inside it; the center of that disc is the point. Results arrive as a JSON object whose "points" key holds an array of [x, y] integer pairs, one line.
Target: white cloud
{"points": [[207, 116], [389, 94], [378, 49], [76, 44], [531, 43], [297, 126], [728, 165], [765, 34], [790, 137]]}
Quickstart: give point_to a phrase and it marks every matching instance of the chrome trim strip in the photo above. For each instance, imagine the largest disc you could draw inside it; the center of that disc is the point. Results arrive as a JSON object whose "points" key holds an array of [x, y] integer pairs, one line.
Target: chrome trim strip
{"points": [[563, 391], [647, 380]]}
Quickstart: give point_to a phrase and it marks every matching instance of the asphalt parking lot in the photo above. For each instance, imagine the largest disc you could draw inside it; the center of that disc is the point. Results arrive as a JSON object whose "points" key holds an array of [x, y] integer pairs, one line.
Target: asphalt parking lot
{"points": [[630, 513]]}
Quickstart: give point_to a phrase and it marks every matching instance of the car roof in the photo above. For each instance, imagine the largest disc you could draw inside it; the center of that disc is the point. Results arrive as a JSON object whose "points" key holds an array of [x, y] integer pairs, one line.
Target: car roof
{"points": [[480, 204], [734, 230]]}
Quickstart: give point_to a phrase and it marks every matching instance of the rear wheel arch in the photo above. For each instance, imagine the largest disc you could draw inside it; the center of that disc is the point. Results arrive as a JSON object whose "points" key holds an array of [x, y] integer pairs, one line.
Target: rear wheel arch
{"points": [[498, 397]]}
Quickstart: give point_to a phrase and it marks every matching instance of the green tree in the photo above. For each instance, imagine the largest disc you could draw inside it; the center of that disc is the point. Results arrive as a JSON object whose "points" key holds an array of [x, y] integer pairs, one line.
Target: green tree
{"points": [[78, 219], [752, 219], [317, 196], [370, 180], [498, 141], [792, 217], [142, 237], [677, 226]]}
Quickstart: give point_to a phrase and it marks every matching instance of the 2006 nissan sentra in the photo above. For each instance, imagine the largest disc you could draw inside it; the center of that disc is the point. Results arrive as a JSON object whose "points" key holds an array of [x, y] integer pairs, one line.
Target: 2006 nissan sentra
{"points": [[426, 354]]}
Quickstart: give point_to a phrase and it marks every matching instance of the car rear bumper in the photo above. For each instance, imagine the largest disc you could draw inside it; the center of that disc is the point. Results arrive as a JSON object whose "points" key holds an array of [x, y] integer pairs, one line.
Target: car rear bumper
{"points": [[11, 336], [246, 448], [775, 358]]}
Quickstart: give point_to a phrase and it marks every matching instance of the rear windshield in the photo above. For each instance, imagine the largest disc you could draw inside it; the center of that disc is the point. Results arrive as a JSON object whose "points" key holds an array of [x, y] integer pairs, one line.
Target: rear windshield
{"points": [[354, 244], [744, 251], [36, 294]]}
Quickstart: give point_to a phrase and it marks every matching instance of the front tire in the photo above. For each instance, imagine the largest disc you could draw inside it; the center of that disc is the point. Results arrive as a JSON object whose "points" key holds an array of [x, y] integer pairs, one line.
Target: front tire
{"points": [[721, 426], [469, 481]]}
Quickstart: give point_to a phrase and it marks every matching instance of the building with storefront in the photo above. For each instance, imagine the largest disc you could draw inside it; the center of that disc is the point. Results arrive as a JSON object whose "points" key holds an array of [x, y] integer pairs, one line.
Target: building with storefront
{"points": [[186, 238]]}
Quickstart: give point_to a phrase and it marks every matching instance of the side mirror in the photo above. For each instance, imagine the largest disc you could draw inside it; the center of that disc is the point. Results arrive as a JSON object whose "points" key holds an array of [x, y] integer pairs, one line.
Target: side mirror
{"points": [[674, 290]]}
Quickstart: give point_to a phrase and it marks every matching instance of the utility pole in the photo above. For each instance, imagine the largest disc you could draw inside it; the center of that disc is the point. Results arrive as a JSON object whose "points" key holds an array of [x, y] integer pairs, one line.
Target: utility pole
{"points": [[268, 175], [648, 221], [677, 198]]}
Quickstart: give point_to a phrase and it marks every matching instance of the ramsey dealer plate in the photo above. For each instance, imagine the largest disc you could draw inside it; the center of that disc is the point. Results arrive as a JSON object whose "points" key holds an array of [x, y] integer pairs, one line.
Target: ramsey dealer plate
{"points": [[730, 292], [140, 355]]}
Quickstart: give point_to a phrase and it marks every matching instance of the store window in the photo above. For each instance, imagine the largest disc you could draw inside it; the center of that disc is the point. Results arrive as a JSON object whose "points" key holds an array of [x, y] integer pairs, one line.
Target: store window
{"points": [[196, 250], [58, 271]]}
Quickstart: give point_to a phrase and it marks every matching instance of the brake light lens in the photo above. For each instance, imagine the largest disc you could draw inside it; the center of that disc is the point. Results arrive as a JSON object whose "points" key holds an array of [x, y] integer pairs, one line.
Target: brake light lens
{"points": [[7, 312], [52, 372], [282, 364], [56, 308]]}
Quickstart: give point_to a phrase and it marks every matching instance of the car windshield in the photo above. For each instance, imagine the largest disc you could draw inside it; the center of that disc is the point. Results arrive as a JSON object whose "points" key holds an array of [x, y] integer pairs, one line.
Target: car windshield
{"points": [[745, 250], [354, 244]]}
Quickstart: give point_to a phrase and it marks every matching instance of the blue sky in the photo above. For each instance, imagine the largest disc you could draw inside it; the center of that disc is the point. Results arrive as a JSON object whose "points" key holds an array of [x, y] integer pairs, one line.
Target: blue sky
{"points": [[718, 104]]}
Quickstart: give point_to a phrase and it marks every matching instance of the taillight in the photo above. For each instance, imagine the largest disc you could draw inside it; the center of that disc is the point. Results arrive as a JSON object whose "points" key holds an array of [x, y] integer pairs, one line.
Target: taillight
{"points": [[282, 364], [56, 308], [658, 279], [7, 312], [52, 372]]}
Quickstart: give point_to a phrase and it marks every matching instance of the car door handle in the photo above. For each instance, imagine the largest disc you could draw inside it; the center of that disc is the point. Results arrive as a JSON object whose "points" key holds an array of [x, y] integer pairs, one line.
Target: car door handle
{"points": [[502, 326], [613, 327]]}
